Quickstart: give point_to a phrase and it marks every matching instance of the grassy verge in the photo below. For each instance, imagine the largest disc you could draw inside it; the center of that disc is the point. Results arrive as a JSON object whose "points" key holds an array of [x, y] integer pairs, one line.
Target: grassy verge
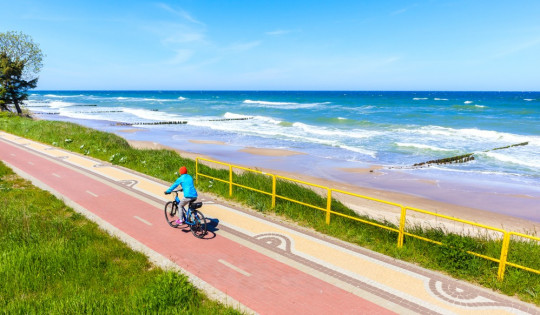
{"points": [[53, 261], [163, 163]]}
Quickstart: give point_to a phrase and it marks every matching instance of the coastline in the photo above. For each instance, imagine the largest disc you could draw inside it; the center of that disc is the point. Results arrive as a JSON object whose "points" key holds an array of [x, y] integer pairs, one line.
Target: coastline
{"points": [[391, 214], [476, 202]]}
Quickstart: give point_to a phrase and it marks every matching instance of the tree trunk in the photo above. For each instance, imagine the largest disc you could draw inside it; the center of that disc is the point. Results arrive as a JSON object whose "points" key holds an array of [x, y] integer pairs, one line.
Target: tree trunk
{"points": [[16, 103]]}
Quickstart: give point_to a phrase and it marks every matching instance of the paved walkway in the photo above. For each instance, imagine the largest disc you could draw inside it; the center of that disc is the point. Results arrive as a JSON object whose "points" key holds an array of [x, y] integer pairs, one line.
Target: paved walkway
{"points": [[254, 263]]}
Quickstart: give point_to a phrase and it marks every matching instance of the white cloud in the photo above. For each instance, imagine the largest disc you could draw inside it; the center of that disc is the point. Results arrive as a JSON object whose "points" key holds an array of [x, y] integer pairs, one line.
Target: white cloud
{"points": [[278, 32], [239, 47], [181, 13], [181, 56]]}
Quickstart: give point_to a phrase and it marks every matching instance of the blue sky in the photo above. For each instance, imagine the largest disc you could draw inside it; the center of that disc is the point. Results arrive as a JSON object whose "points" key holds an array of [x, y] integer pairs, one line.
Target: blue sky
{"points": [[283, 45]]}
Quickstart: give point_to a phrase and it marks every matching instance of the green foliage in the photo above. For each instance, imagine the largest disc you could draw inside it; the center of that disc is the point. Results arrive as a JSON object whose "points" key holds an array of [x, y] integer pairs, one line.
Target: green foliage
{"points": [[453, 254], [20, 47], [170, 292], [13, 87], [20, 62]]}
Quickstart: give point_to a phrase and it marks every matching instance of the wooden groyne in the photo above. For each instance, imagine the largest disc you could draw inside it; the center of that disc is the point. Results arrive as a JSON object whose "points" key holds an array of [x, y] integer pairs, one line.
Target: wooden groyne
{"points": [[93, 112], [177, 122], [461, 158]]}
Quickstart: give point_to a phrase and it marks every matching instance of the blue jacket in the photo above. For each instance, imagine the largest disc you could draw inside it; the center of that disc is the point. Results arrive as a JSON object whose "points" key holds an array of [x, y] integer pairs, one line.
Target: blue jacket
{"points": [[186, 181]]}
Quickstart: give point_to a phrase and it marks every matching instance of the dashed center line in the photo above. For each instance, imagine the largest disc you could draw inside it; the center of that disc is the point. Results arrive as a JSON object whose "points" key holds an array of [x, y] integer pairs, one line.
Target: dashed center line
{"points": [[56, 175], [142, 220], [233, 267], [91, 193]]}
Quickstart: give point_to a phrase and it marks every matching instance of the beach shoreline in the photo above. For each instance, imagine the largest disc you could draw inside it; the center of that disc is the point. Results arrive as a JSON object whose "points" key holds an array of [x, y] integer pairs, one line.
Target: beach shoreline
{"points": [[383, 212], [477, 202]]}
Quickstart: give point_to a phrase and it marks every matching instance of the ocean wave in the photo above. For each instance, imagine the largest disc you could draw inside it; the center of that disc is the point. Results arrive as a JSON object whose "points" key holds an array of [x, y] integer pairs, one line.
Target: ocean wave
{"points": [[284, 105], [152, 115], [60, 104], [468, 102], [271, 120], [440, 99], [421, 146], [60, 96], [485, 139], [269, 103], [332, 132], [182, 98], [469, 107], [530, 163], [78, 115], [529, 99], [363, 151], [419, 98]]}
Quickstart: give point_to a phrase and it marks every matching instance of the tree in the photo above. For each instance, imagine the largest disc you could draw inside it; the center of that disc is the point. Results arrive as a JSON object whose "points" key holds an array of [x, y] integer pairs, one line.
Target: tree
{"points": [[13, 87], [20, 62]]}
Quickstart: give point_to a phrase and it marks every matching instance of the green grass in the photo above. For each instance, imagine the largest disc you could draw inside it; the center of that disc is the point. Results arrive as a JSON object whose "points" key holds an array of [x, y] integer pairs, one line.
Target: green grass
{"points": [[163, 164], [53, 260]]}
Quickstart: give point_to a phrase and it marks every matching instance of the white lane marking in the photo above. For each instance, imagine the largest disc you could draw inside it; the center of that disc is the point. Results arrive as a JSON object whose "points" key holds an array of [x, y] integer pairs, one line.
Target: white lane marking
{"points": [[142, 220], [233, 267], [91, 193], [56, 175], [30, 163]]}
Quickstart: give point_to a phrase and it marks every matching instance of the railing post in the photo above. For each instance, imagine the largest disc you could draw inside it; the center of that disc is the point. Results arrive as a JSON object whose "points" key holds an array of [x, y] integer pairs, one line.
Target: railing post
{"points": [[504, 255], [402, 221], [230, 180], [196, 170], [328, 205], [273, 191]]}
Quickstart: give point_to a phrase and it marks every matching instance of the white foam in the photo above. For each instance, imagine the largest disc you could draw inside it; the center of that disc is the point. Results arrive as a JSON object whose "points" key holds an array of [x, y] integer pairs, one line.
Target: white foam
{"points": [[529, 99], [532, 163], [283, 105], [421, 146], [152, 115], [333, 132], [268, 103], [60, 104], [440, 99], [235, 116], [420, 98], [60, 96], [373, 154], [182, 98], [468, 102], [480, 106]]}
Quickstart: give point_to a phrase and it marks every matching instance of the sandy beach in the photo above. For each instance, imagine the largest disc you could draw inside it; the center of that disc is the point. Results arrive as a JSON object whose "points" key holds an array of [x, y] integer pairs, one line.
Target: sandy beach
{"points": [[379, 210]]}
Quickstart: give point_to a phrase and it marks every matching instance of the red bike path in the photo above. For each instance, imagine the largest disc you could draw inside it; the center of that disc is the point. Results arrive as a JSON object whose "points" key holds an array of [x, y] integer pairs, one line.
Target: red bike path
{"points": [[260, 283]]}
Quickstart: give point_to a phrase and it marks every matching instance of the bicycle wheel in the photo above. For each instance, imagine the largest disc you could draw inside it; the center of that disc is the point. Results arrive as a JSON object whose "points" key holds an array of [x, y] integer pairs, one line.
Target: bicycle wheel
{"points": [[199, 224], [172, 214]]}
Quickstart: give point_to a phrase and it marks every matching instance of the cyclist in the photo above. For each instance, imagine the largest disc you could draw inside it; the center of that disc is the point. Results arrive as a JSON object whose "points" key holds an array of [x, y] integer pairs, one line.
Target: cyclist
{"points": [[186, 182]]}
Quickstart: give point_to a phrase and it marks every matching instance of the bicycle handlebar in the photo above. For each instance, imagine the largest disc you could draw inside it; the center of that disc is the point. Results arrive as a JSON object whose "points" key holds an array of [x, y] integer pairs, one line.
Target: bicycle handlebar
{"points": [[174, 191]]}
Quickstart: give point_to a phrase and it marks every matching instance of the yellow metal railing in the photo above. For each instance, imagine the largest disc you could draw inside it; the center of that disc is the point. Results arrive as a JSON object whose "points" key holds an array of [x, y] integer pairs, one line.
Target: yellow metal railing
{"points": [[506, 236]]}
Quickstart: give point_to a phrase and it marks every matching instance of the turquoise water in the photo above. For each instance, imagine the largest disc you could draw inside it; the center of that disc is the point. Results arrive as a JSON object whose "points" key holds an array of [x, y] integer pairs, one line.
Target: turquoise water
{"points": [[384, 128], [340, 130]]}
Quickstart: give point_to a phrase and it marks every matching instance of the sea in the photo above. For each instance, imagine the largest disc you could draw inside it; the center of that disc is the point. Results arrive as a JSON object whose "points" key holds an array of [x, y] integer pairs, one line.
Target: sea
{"points": [[339, 130]]}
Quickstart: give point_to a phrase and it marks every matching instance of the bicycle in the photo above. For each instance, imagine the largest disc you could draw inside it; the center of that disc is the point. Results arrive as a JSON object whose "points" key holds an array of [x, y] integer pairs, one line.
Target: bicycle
{"points": [[192, 217]]}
